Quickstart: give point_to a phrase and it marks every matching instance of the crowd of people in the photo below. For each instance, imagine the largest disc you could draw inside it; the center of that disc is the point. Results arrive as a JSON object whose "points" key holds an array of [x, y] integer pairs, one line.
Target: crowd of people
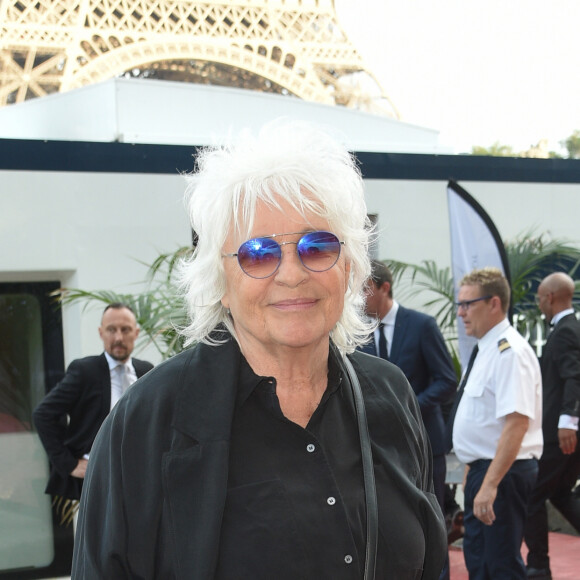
{"points": [[301, 434]]}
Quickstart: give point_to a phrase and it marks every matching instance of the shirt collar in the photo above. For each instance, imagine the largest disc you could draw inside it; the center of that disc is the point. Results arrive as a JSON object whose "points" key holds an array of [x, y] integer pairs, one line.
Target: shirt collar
{"points": [[249, 381], [115, 363], [560, 315], [493, 333], [391, 315]]}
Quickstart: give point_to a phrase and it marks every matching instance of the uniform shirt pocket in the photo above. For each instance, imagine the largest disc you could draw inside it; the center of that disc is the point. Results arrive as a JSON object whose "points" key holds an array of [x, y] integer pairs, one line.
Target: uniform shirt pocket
{"points": [[475, 399]]}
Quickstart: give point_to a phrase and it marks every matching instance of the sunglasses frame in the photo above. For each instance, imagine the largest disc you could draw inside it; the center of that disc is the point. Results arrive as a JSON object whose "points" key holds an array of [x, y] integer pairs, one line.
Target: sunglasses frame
{"points": [[465, 304], [280, 244]]}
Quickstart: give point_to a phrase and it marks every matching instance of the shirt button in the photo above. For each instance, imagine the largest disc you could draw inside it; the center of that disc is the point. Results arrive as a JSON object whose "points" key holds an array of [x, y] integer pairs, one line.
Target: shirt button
{"points": [[330, 501], [348, 559], [310, 448]]}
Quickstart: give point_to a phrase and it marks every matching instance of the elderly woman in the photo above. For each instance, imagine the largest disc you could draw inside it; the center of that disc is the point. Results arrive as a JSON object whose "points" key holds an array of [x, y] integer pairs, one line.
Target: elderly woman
{"points": [[248, 456]]}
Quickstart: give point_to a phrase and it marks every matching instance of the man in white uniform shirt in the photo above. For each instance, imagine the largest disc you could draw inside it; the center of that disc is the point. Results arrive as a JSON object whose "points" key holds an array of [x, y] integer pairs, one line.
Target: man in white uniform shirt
{"points": [[497, 430]]}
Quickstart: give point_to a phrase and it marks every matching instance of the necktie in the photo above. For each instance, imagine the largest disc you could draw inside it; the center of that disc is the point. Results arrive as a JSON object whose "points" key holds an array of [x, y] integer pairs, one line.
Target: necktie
{"points": [[125, 377], [383, 349], [451, 420]]}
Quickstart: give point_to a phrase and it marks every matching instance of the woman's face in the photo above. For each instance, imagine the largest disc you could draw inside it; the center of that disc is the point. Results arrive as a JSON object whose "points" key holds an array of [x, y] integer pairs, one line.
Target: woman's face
{"points": [[294, 307]]}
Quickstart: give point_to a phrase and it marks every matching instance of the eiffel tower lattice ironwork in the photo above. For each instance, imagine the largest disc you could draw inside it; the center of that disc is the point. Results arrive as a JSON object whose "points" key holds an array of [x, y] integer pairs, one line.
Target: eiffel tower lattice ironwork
{"points": [[287, 46]]}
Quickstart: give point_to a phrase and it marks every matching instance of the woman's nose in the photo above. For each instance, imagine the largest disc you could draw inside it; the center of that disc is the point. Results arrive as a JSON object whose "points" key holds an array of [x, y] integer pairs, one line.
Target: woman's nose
{"points": [[291, 270]]}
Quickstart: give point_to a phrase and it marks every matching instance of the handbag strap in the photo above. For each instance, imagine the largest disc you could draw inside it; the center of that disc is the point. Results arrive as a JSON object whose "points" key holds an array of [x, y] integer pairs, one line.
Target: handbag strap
{"points": [[368, 473]]}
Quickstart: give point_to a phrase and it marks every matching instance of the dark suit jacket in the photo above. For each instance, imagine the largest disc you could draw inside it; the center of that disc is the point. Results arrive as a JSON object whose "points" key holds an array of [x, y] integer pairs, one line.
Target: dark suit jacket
{"points": [[419, 350], [560, 378], [84, 395], [157, 481]]}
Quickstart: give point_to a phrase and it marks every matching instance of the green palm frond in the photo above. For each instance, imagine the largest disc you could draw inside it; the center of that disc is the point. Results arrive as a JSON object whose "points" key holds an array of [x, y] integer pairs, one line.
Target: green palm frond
{"points": [[428, 279], [531, 257], [161, 311], [159, 308]]}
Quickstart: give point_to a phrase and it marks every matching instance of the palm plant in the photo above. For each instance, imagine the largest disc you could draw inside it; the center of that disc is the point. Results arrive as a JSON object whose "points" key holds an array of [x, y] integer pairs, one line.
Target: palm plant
{"points": [[161, 312], [159, 308], [427, 276], [427, 279], [530, 256]]}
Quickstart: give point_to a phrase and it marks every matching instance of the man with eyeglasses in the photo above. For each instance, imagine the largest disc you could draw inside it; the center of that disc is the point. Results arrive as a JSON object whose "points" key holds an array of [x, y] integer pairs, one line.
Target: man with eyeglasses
{"points": [[560, 462], [497, 432]]}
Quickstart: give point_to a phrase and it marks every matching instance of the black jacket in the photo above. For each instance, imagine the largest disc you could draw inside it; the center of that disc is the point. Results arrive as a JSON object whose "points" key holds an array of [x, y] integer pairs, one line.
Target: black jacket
{"points": [[157, 480], [84, 395], [419, 350], [560, 378]]}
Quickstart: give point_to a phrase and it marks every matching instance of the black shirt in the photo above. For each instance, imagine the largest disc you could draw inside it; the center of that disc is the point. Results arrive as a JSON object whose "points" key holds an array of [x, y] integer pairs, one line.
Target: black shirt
{"points": [[295, 502]]}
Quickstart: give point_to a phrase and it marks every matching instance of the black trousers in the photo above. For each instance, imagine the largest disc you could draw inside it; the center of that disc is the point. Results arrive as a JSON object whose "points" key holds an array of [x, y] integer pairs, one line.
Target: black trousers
{"points": [[557, 477], [493, 552]]}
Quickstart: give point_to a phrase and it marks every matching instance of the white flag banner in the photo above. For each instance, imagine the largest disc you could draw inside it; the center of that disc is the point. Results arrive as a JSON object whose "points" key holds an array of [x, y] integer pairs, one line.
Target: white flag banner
{"points": [[475, 243]]}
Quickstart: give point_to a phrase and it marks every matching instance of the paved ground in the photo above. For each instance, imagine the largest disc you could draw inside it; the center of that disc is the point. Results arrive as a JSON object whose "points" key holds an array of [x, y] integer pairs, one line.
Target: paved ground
{"points": [[564, 557], [564, 553]]}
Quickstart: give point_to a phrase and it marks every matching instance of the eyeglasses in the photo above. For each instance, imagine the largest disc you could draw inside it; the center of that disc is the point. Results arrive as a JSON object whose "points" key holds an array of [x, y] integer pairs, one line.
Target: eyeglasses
{"points": [[465, 304], [261, 257]]}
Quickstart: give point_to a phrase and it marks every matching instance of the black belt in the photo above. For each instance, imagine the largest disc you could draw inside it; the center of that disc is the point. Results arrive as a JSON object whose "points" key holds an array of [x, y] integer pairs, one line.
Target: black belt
{"points": [[478, 462], [481, 461]]}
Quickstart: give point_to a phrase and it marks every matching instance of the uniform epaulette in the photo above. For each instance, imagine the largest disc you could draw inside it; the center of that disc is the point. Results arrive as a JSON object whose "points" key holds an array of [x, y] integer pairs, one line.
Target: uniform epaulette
{"points": [[503, 344]]}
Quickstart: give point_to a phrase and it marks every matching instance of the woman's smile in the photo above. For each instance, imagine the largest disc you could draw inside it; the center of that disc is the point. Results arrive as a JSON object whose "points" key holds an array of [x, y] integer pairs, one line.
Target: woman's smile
{"points": [[295, 304]]}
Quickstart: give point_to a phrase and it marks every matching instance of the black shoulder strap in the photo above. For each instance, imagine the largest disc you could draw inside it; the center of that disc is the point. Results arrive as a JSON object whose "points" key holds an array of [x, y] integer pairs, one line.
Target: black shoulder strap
{"points": [[368, 473]]}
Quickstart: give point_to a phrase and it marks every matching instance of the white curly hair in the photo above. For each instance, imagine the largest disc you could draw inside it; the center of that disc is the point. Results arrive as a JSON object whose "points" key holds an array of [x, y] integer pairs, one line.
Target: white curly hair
{"points": [[287, 160]]}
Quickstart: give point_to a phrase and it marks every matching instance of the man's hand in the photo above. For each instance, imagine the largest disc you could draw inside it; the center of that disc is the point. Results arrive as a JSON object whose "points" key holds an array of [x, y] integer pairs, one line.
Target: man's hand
{"points": [[483, 501], [81, 468], [483, 504], [568, 439], [510, 441]]}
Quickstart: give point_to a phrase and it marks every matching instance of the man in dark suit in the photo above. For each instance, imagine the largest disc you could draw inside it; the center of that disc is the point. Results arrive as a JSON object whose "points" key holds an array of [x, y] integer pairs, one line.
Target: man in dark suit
{"points": [[415, 344], [68, 418], [417, 347], [559, 467]]}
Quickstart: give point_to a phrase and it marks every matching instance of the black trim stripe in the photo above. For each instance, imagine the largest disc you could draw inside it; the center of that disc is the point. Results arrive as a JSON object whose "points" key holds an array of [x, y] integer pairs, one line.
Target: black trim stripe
{"points": [[37, 155], [468, 198], [468, 168], [33, 155]]}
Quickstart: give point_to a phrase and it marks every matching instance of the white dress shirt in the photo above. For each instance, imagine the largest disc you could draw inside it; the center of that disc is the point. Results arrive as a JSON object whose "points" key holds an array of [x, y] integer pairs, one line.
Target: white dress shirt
{"points": [[120, 381], [118, 386], [389, 328], [565, 421], [505, 378]]}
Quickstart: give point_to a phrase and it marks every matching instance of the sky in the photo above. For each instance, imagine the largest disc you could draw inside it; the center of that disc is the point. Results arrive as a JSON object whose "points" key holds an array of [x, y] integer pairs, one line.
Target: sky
{"points": [[480, 72]]}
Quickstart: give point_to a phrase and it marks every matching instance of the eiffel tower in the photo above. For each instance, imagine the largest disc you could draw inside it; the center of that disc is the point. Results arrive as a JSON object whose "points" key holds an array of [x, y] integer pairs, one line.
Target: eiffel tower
{"points": [[294, 47]]}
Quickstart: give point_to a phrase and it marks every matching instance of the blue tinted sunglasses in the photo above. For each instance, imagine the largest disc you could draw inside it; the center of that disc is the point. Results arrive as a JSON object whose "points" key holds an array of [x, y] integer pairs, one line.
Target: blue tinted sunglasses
{"points": [[261, 257]]}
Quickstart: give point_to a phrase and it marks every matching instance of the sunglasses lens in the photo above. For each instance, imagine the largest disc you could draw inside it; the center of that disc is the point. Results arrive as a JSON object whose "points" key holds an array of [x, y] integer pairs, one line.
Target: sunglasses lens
{"points": [[319, 251], [259, 257]]}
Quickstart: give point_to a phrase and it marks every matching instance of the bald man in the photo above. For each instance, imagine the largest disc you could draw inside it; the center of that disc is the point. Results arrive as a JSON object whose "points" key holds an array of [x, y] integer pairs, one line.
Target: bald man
{"points": [[559, 467], [68, 418]]}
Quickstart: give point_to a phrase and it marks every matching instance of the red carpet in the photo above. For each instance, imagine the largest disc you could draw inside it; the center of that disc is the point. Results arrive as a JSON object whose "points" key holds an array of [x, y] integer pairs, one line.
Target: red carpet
{"points": [[564, 558]]}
